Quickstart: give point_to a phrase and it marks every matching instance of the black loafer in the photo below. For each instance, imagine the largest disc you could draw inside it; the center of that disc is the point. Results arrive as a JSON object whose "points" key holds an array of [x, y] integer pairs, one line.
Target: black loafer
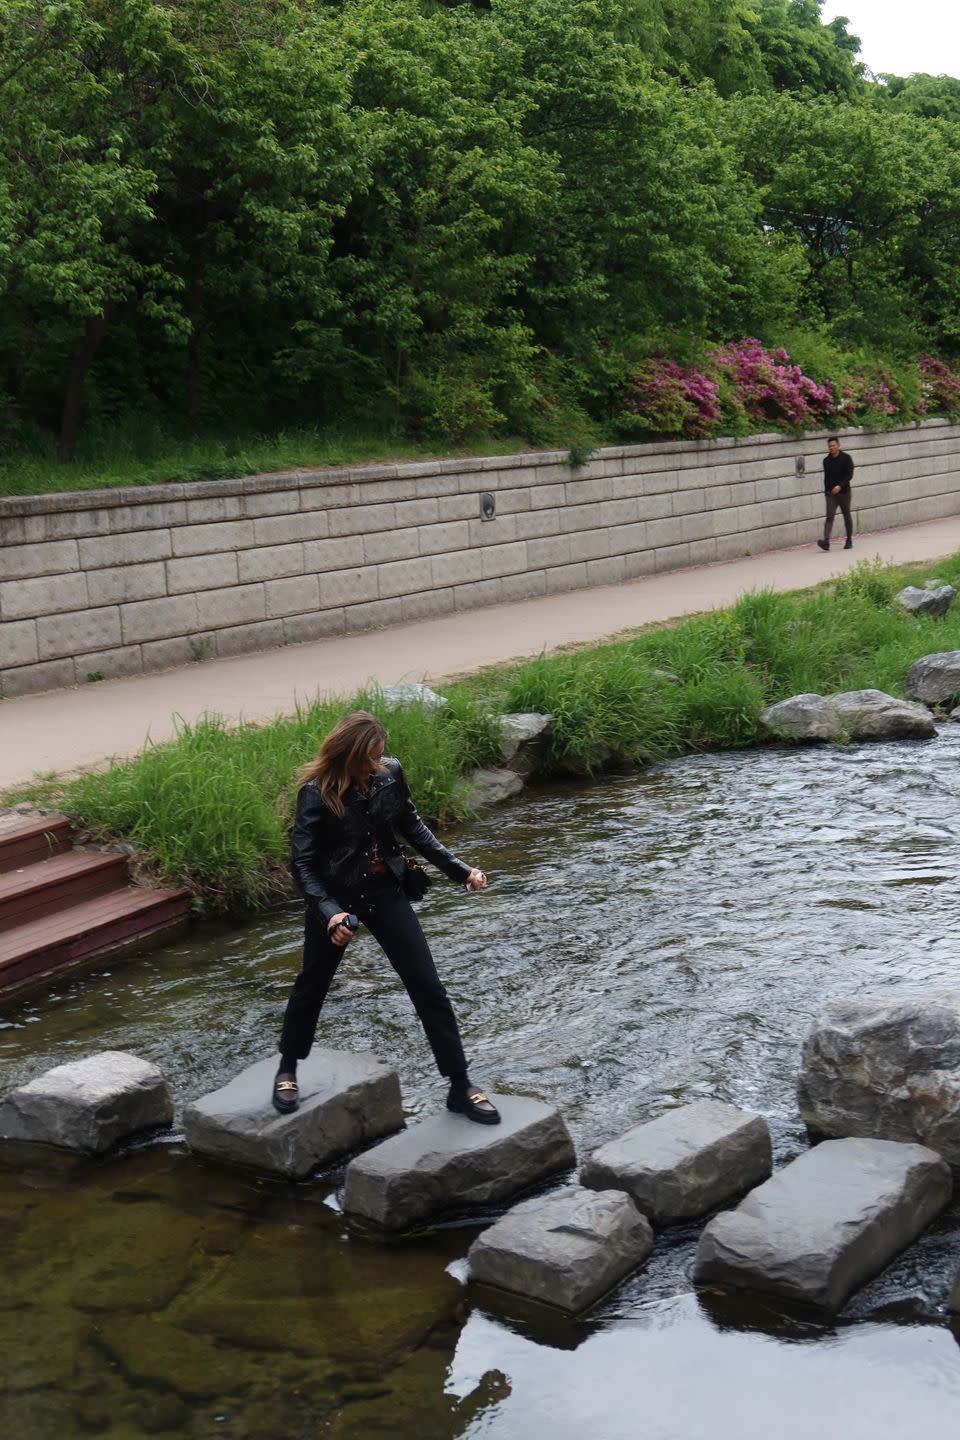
{"points": [[475, 1105], [286, 1093]]}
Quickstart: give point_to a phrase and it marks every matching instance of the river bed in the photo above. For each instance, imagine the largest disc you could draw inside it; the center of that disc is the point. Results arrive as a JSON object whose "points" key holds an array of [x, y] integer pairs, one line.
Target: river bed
{"points": [[647, 940]]}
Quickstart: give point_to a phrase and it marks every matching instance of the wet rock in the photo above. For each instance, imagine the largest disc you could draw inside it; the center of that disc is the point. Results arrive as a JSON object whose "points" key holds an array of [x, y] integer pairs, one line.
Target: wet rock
{"points": [[406, 693], [685, 1162], [565, 1249], [346, 1100], [523, 740], [931, 600], [88, 1105], [827, 1222], [801, 717], [449, 1162], [887, 1067], [874, 715], [934, 679], [150, 1352], [492, 787]]}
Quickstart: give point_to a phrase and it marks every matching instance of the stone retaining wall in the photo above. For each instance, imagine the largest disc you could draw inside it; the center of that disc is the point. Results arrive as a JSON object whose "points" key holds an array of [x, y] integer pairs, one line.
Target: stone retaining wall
{"points": [[122, 581]]}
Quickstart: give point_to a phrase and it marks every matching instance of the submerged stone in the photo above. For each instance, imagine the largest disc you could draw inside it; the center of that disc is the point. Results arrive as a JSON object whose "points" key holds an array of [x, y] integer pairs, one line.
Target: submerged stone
{"points": [[449, 1162], [346, 1100], [88, 1105], [888, 1067], [492, 787], [685, 1162], [565, 1249], [826, 1223]]}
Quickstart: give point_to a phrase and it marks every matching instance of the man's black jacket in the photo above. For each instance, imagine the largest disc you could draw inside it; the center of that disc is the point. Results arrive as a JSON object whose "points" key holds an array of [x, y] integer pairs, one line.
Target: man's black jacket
{"points": [[837, 470], [329, 849]]}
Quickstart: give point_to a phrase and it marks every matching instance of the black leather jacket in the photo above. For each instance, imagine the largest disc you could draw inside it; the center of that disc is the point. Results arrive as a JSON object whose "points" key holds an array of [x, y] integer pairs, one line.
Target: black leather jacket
{"points": [[329, 849]]}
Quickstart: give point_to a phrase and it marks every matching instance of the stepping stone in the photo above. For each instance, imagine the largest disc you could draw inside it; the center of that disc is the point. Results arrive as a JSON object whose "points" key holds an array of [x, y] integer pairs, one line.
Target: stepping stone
{"points": [[449, 1161], [685, 1162], [346, 1100], [88, 1105], [566, 1249], [826, 1223]]}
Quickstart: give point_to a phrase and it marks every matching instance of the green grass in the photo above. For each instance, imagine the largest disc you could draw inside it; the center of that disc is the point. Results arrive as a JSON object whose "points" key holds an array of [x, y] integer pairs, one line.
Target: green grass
{"points": [[148, 456], [211, 809]]}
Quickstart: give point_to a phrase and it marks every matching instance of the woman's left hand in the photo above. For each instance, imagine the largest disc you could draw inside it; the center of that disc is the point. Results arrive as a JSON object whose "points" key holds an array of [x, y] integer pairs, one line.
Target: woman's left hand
{"points": [[476, 880]]}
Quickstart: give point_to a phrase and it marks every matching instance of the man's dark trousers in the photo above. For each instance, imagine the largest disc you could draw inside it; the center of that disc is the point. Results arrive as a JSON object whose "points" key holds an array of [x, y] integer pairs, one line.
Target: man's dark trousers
{"points": [[839, 502]]}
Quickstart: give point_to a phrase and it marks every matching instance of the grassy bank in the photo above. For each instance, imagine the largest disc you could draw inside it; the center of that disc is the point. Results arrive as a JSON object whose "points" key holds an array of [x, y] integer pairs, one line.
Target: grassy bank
{"points": [[211, 809]]}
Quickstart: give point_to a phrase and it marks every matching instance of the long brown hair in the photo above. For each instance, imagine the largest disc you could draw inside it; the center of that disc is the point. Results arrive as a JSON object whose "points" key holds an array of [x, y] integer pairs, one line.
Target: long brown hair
{"points": [[344, 757]]}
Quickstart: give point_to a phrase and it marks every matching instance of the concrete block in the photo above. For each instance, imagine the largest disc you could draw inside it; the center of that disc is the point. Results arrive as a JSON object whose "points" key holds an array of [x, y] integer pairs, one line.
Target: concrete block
{"points": [[548, 497], [82, 630], [424, 511], [447, 1162], [201, 572], [291, 597], [374, 615], [827, 1222], [108, 664], [456, 507], [566, 577], [348, 587], [621, 511], [664, 532], [497, 531], [594, 491], [638, 563], [240, 639], [158, 515], [696, 527], [671, 557], [565, 1249], [429, 605], [551, 550], [213, 508], [21, 562], [127, 582], [514, 502], [392, 545], [327, 556], [382, 492], [685, 1162], [47, 595], [159, 619], [659, 482], [692, 502], [29, 679], [269, 503], [271, 563], [208, 539], [346, 1100], [238, 605], [88, 1105], [525, 586], [291, 529], [182, 650], [363, 520], [478, 594], [300, 629], [135, 547], [440, 539], [608, 571], [503, 560], [18, 643], [590, 545], [463, 567]]}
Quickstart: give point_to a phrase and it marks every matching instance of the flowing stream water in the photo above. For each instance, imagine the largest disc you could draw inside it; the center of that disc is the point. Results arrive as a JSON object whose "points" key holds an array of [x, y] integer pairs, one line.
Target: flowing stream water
{"points": [[648, 940]]}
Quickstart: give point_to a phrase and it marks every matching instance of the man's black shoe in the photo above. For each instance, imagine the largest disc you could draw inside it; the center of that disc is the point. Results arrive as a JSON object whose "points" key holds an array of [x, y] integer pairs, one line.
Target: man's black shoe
{"points": [[848, 545], [824, 544], [474, 1104]]}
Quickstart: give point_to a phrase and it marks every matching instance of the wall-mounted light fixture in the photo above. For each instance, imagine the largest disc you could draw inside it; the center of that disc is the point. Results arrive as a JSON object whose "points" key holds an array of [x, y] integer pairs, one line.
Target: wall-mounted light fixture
{"points": [[800, 465], [488, 506]]}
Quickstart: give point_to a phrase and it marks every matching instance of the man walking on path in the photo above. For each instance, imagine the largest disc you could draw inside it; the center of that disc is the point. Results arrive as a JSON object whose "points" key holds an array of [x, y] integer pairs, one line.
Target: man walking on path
{"points": [[837, 474]]}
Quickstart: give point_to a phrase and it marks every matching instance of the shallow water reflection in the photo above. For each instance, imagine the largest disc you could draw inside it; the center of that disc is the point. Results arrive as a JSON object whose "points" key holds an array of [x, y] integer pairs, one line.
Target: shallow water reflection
{"points": [[646, 941]]}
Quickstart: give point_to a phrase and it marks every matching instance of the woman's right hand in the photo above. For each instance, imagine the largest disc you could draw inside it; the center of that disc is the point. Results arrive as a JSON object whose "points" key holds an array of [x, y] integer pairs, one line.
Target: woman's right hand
{"points": [[337, 931]]}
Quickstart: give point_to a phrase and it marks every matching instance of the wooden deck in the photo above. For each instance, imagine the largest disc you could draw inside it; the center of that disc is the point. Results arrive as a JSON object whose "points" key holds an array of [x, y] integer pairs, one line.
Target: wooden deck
{"points": [[62, 909]]}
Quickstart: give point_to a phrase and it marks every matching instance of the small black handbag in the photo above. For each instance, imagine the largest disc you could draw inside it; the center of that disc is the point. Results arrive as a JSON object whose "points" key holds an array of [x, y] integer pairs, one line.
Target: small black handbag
{"points": [[416, 881]]}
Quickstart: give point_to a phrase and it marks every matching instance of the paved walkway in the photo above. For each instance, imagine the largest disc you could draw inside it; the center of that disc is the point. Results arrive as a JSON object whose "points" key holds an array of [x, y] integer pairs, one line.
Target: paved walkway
{"points": [[69, 729]]}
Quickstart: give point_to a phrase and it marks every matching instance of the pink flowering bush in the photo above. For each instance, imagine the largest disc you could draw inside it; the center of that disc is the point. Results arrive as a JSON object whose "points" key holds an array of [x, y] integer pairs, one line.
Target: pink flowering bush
{"points": [[939, 387], [669, 399], [870, 395], [763, 385]]}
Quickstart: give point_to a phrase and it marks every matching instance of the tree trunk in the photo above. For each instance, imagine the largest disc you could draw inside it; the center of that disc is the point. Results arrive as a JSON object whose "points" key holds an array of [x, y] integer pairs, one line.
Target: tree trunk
{"points": [[76, 379], [195, 348]]}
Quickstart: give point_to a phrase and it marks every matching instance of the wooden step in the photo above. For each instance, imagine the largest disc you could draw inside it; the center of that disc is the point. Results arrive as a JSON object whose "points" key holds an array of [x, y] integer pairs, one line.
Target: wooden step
{"points": [[55, 884], [124, 922], [25, 839]]}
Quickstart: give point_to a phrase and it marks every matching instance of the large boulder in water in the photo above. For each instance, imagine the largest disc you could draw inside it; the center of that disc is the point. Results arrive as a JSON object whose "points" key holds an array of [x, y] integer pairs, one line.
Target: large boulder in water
{"points": [[851, 715], [886, 1067], [89, 1104], [926, 601], [934, 679]]}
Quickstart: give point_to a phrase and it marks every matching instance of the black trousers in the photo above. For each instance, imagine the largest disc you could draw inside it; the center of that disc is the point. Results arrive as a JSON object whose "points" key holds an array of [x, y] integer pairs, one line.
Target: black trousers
{"points": [[389, 917], [834, 503]]}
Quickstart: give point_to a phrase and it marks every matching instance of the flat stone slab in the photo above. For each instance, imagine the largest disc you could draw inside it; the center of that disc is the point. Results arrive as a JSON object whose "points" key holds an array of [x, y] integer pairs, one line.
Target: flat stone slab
{"points": [[826, 1223], [88, 1105], [346, 1100], [450, 1162], [565, 1249], [886, 1067], [685, 1162]]}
